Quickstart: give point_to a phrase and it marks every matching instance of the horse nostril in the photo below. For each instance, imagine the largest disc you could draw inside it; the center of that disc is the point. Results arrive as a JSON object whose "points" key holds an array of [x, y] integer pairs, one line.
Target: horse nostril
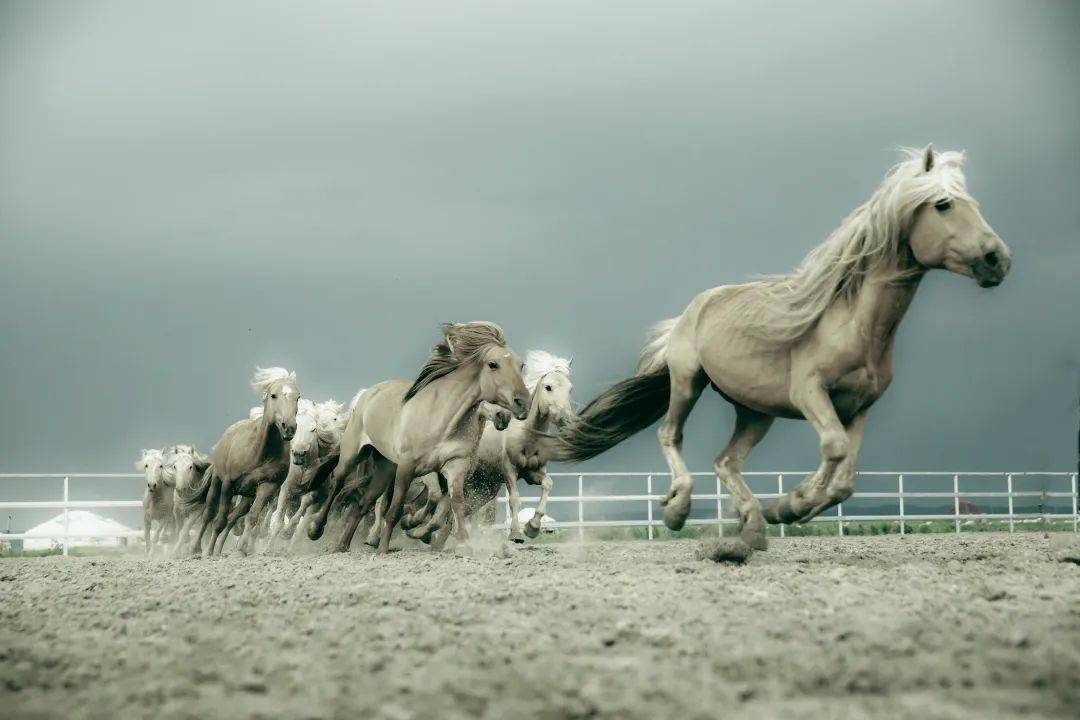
{"points": [[991, 258]]}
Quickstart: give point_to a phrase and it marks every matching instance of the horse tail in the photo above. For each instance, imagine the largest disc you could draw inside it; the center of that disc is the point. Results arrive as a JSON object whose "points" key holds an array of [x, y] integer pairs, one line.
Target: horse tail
{"points": [[195, 494], [654, 355], [627, 407]]}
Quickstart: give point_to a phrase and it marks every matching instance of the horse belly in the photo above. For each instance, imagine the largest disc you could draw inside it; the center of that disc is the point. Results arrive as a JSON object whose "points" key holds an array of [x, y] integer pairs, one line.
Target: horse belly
{"points": [[760, 379]]}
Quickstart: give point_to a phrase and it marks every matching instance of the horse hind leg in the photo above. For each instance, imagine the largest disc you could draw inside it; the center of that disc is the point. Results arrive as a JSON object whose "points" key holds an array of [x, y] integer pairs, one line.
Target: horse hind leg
{"points": [[687, 384], [750, 428], [376, 523]]}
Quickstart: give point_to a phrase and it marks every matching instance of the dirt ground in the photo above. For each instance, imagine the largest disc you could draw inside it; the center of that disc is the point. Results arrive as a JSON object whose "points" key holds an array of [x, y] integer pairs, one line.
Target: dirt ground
{"points": [[924, 626]]}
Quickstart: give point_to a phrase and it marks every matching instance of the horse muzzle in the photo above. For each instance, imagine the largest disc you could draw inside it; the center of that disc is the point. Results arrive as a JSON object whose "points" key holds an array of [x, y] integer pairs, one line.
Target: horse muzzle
{"points": [[991, 268], [520, 407], [287, 431], [300, 459]]}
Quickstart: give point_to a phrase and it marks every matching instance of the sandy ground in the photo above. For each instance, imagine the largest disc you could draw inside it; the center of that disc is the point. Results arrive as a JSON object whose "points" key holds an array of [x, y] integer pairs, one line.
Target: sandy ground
{"points": [[924, 626]]}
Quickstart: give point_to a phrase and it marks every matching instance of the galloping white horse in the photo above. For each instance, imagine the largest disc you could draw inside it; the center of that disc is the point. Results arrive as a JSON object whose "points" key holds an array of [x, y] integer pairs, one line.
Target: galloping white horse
{"points": [[318, 432], [814, 345], [157, 499]]}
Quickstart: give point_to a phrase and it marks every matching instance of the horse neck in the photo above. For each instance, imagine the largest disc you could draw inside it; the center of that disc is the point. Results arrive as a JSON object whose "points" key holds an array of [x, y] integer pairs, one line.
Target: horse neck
{"points": [[884, 298], [539, 415], [268, 441], [457, 399]]}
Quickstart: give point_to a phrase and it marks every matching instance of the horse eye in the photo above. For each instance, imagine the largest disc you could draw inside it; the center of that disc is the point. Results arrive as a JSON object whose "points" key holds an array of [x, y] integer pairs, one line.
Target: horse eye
{"points": [[548, 388], [493, 365], [273, 397], [943, 205]]}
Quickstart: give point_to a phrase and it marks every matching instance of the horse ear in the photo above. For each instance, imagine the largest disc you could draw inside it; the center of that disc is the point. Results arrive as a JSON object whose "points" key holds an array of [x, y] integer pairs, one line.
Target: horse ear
{"points": [[928, 158], [570, 362]]}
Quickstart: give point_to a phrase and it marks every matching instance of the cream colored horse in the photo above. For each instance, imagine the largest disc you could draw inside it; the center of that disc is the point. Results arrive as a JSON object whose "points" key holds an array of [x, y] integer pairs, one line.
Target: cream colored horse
{"points": [[157, 499], [517, 453], [250, 459], [814, 345], [407, 430], [319, 427], [183, 468]]}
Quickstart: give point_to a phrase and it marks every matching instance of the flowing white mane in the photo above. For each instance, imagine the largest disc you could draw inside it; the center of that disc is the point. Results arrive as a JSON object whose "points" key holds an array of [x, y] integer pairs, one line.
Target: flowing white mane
{"points": [[867, 241], [265, 377], [255, 413], [539, 363], [330, 420]]}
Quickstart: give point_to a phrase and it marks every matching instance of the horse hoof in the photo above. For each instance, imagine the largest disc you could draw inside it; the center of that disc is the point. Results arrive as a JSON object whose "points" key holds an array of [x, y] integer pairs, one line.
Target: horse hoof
{"points": [[339, 549], [314, 530], [754, 536], [675, 512], [532, 530], [516, 537]]}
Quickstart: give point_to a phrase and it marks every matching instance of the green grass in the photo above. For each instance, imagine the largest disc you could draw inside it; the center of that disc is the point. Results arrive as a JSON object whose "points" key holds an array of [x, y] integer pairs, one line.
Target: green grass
{"points": [[75, 552]]}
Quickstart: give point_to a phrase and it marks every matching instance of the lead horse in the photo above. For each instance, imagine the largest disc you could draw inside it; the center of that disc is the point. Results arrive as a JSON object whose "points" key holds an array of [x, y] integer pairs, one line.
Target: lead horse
{"points": [[815, 345], [431, 425]]}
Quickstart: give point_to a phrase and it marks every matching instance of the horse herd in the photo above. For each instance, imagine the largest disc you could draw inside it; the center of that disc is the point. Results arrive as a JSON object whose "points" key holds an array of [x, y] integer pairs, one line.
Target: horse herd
{"points": [[815, 344], [284, 463]]}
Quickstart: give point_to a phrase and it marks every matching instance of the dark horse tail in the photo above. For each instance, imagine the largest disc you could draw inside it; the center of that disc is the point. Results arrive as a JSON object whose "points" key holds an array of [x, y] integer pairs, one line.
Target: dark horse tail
{"points": [[627, 407]]}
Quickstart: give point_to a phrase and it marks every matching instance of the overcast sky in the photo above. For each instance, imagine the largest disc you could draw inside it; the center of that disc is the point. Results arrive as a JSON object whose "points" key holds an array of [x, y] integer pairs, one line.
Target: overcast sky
{"points": [[190, 189]]}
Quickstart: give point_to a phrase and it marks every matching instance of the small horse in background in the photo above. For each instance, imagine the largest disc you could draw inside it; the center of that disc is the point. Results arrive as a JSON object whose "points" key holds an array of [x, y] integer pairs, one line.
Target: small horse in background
{"points": [[407, 430], [157, 500], [815, 345], [250, 460], [319, 427], [182, 469]]}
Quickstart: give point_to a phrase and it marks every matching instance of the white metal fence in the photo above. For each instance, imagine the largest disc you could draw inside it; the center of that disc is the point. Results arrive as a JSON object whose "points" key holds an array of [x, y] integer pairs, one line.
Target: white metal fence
{"points": [[647, 502]]}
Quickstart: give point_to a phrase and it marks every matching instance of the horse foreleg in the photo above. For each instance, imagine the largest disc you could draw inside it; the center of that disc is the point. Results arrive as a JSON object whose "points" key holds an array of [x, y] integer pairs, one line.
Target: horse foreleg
{"points": [[147, 521], [532, 528], [456, 472], [513, 503], [208, 514], [252, 520], [445, 527], [812, 399], [842, 484], [347, 462], [221, 516], [236, 515], [402, 478], [352, 520]]}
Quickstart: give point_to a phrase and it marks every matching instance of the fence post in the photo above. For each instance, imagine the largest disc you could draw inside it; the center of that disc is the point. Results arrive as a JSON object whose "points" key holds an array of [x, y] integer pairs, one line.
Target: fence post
{"points": [[580, 507], [719, 509], [780, 489], [900, 494], [840, 519], [956, 500], [67, 524], [1076, 515], [648, 491], [1008, 482]]}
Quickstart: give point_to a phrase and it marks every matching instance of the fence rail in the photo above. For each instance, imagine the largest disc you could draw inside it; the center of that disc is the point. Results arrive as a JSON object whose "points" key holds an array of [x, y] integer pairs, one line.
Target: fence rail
{"points": [[719, 497]]}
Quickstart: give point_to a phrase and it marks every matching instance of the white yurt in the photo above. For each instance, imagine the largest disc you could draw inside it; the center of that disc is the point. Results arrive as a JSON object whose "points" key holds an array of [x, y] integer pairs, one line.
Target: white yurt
{"points": [[87, 529]]}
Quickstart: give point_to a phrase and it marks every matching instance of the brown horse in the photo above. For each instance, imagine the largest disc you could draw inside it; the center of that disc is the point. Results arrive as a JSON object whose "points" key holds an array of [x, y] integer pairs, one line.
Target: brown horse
{"points": [[250, 460], [815, 345], [407, 430]]}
